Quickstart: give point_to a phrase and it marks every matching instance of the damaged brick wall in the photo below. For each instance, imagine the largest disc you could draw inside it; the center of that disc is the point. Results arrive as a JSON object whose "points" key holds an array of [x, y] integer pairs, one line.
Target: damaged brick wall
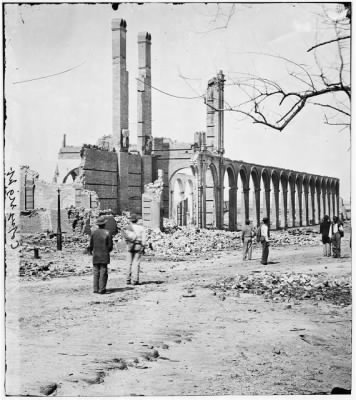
{"points": [[99, 173]]}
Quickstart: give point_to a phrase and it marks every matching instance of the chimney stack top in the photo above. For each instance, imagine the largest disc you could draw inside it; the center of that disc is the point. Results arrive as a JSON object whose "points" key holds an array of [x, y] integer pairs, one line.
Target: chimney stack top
{"points": [[118, 23], [144, 37]]}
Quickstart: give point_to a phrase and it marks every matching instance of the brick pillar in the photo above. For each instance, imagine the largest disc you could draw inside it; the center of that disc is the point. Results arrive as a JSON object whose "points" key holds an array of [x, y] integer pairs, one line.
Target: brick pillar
{"points": [[120, 86], [201, 200], [329, 205], [257, 205], [232, 208], [292, 208], [300, 208], [318, 214], [246, 204], [144, 102], [268, 207], [323, 203], [285, 208], [312, 206], [275, 209], [306, 207], [333, 203]]}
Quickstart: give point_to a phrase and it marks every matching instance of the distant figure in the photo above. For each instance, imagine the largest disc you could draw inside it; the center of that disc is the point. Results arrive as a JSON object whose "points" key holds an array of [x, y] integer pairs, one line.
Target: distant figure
{"points": [[87, 226], [100, 246], [325, 235], [75, 222], [136, 241], [265, 241], [247, 234], [336, 233]]}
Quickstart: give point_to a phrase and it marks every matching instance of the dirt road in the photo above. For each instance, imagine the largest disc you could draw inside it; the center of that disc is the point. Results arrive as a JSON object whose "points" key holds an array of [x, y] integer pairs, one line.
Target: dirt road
{"points": [[173, 336]]}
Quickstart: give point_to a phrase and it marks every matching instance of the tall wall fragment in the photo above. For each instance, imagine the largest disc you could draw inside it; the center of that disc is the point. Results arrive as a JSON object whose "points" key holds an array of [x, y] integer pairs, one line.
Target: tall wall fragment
{"points": [[215, 114]]}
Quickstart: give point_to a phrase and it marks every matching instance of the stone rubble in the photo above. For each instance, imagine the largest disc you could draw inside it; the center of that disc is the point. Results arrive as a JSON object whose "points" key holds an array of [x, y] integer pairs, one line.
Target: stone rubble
{"points": [[173, 243], [281, 287]]}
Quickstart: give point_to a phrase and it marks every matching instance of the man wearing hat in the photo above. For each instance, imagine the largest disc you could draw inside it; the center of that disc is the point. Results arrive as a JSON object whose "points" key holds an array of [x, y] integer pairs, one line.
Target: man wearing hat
{"points": [[100, 246], [135, 249], [265, 241]]}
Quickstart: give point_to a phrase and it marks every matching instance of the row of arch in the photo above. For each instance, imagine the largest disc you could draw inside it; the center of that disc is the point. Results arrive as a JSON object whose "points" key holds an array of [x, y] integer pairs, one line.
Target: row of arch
{"points": [[220, 193]]}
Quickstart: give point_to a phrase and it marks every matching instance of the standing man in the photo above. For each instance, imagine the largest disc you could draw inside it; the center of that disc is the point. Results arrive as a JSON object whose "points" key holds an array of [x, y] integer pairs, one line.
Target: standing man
{"points": [[100, 246], [337, 232], [265, 241], [247, 234], [325, 235], [135, 247]]}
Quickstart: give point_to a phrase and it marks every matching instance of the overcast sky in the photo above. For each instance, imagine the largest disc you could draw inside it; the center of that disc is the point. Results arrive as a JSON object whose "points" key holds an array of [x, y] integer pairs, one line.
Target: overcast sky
{"points": [[188, 40]]}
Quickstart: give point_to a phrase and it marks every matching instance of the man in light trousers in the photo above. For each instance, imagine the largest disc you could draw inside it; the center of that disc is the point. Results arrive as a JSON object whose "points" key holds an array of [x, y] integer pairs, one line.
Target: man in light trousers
{"points": [[135, 250], [247, 234]]}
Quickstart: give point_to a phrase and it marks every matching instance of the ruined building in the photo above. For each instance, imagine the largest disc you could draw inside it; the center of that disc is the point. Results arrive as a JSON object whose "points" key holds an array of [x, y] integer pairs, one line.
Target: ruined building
{"points": [[200, 185]]}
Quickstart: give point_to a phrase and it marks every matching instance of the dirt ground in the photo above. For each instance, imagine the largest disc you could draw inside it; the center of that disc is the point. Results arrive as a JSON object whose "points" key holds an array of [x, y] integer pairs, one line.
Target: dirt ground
{"points": [[172, 335]]}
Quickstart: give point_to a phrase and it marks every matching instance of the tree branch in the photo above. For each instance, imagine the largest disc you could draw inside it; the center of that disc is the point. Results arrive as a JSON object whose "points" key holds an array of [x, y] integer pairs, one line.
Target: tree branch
{"points": [[329, 41]]}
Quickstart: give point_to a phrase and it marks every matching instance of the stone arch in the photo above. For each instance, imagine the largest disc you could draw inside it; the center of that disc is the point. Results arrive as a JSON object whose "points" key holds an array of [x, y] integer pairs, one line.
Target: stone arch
{"points": [[73, 173], [283, 200], [265, 197], [230, 191], [298, 202], [189, 196], [275, 178], [211, 191], [181, 195]]}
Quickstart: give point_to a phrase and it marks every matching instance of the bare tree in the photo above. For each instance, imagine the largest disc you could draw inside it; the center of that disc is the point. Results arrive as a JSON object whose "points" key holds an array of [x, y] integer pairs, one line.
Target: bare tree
{"points": [[325, 84]]}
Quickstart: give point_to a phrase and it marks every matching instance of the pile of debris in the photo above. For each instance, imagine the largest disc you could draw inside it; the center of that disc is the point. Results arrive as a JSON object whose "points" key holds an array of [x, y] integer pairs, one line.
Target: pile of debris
{"points": [[53, 269], [280, 287], [192, 241], [296, 236]]}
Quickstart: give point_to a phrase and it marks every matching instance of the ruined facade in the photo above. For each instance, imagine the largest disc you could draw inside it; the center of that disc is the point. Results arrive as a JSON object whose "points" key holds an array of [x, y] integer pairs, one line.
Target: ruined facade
{"points": [[194, 174]]}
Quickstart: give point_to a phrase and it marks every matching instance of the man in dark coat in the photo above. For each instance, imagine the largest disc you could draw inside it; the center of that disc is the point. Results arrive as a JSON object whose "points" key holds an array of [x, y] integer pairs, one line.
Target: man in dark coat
{"points": [[325, 235], [111, 224], [100, 246]]}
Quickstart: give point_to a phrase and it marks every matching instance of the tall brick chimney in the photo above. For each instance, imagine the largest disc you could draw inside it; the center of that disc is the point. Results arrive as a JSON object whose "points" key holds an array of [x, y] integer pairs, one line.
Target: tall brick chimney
{"points": [[144, 101], [120, 86]]}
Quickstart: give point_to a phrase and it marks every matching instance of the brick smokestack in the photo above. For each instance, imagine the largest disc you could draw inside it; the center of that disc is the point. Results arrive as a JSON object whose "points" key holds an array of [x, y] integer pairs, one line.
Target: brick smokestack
{"points": [[144, 100], [120, 86]]}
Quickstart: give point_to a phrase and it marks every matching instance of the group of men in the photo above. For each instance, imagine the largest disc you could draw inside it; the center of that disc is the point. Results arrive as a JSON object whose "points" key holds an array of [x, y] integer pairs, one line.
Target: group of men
{"points": [[331, 234], [262, 235], [101, 244]]}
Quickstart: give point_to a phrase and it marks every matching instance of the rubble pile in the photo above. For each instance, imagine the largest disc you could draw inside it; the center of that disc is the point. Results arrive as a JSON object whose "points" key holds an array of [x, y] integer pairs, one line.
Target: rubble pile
{"points": [[192, 241], [282, 287], [295, 236]]}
